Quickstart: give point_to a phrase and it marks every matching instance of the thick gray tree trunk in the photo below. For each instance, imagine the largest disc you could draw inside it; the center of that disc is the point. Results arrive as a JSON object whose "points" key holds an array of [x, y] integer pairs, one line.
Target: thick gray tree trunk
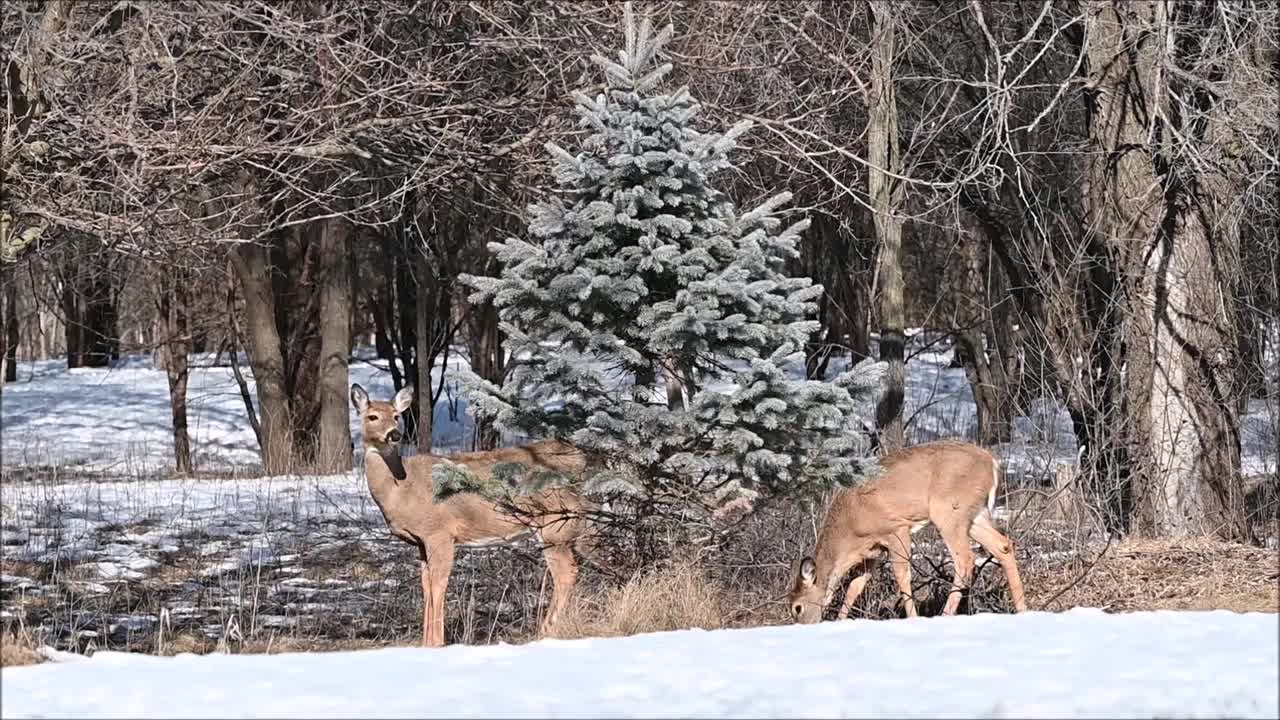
{"points": [[886, 197], [1174, 435], [425, 390], [334, 452], [252, 266]]}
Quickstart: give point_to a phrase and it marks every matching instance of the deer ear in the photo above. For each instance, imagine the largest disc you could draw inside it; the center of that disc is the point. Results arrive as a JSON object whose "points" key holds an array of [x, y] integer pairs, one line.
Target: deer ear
{"points": [[807, 571], [404, 398], [359, 397]]}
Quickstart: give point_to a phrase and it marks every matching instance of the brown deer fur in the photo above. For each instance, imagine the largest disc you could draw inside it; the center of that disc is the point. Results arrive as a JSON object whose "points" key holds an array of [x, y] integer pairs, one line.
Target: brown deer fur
{"points": [[404, 492], [948, 483]]}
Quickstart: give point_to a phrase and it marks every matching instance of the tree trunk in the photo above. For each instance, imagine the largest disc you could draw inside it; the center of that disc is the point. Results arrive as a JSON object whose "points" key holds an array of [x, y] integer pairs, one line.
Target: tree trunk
{"points": [[89, 303], [886, 197], [384, 312], [235, 342], [101, 342], [842, 310], [436, 274], [174, 307], [294, 267], [253, 269], [966, 282], [1176, 434], [43, 330], [11, 336], [993, 424], [1007, 366], [72, 321], [487, 362], [1196, 487], [406, 301], [675, 390], [335, 450], [428, 316], [1040, 369]]}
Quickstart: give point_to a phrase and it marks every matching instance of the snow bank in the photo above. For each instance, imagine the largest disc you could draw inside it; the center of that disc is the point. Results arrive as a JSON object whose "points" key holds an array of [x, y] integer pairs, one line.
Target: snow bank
{"points": [[1081, 663]]}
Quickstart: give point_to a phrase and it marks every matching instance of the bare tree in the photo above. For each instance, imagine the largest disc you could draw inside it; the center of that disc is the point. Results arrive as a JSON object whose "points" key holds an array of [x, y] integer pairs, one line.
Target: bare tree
{"points": [[886, 196], [173, 302], [9, 320], [334, 452]]}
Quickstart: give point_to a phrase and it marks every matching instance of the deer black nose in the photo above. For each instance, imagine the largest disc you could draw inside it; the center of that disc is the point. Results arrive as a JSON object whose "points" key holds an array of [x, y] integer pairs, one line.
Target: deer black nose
{"points": [[393, 436]]}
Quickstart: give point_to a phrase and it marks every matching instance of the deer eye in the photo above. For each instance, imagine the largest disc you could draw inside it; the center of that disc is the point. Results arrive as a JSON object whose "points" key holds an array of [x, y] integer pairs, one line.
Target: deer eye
{"points": [[795, 609], [372, 418]]}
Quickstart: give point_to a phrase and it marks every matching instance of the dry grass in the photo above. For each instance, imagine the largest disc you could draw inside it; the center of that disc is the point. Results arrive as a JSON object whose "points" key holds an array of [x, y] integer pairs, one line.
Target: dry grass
{"points": [[272, 644], [18, 648], [1164, 575], [677, 597]]}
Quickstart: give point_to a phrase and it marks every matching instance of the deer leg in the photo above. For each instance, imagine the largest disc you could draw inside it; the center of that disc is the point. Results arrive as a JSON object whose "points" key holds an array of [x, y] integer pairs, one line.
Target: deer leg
{"points": [[900, 563], [439, 566], [856, 586], [1001, 547], [851, 595], [958, 544], [426, 600], [564, 575]]}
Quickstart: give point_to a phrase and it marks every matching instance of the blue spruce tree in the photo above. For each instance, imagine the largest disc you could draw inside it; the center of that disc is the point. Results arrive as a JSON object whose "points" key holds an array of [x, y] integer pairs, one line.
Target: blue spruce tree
{"points": [[639, 274]]}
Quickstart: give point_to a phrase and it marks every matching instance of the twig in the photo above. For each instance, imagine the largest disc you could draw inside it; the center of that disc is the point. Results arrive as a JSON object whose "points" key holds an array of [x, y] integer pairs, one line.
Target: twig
{"points": [[1045, 605]]}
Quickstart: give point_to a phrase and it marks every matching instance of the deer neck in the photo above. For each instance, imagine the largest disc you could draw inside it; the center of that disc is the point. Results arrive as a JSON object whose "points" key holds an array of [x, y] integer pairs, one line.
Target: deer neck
{"points": [[825, 561], [387, 478], [840, 546]]}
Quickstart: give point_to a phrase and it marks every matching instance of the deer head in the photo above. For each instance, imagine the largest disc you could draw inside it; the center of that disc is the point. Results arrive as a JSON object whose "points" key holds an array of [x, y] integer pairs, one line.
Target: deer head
{"points": [[807, 599], [380, 420]]}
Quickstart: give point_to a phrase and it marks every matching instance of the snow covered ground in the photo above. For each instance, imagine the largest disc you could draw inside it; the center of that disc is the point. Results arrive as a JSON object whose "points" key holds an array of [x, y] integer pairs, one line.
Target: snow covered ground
{"points": [[274, 553], [251, 515], [117, 420], [1081, 663]]}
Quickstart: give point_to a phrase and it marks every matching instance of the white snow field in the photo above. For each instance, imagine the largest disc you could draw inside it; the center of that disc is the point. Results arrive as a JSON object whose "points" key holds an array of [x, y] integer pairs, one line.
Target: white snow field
{"points": [[1081, 663], [117, 420]]}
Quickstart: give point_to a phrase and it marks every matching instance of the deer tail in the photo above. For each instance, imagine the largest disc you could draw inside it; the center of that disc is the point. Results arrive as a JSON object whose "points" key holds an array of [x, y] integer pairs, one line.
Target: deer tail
{"points": [[995, 480]]}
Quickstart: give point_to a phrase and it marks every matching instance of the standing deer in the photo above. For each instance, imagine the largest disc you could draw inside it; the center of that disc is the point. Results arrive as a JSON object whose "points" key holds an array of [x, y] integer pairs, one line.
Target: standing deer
{"points": [[948, 483], [405, 493]]}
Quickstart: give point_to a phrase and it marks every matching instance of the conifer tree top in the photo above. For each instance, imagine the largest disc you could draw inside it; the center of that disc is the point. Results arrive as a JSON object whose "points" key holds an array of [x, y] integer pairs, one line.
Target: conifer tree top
{"points": [[639, 275], [641, 48]]}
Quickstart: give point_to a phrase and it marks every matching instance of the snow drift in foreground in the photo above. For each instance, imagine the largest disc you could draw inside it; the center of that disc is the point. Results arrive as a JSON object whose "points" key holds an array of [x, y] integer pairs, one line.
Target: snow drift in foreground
{"points": [[1081, 663]]}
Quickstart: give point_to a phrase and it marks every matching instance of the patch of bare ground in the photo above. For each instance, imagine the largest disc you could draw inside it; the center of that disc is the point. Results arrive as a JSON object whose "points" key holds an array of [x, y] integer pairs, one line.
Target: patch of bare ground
{"points": [[1165, 575], [677, 597], [18, 648], [355, 561]]}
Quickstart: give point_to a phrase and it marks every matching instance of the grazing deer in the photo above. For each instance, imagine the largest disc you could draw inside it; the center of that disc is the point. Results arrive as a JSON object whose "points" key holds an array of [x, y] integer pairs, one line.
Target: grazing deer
{"points": [[405, 493], [950, 484]]}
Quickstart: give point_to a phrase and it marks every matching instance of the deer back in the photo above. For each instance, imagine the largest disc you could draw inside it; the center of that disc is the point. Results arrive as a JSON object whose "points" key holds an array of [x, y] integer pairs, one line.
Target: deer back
{"points": [[551, 512], [550, 455], [916, 481]]}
